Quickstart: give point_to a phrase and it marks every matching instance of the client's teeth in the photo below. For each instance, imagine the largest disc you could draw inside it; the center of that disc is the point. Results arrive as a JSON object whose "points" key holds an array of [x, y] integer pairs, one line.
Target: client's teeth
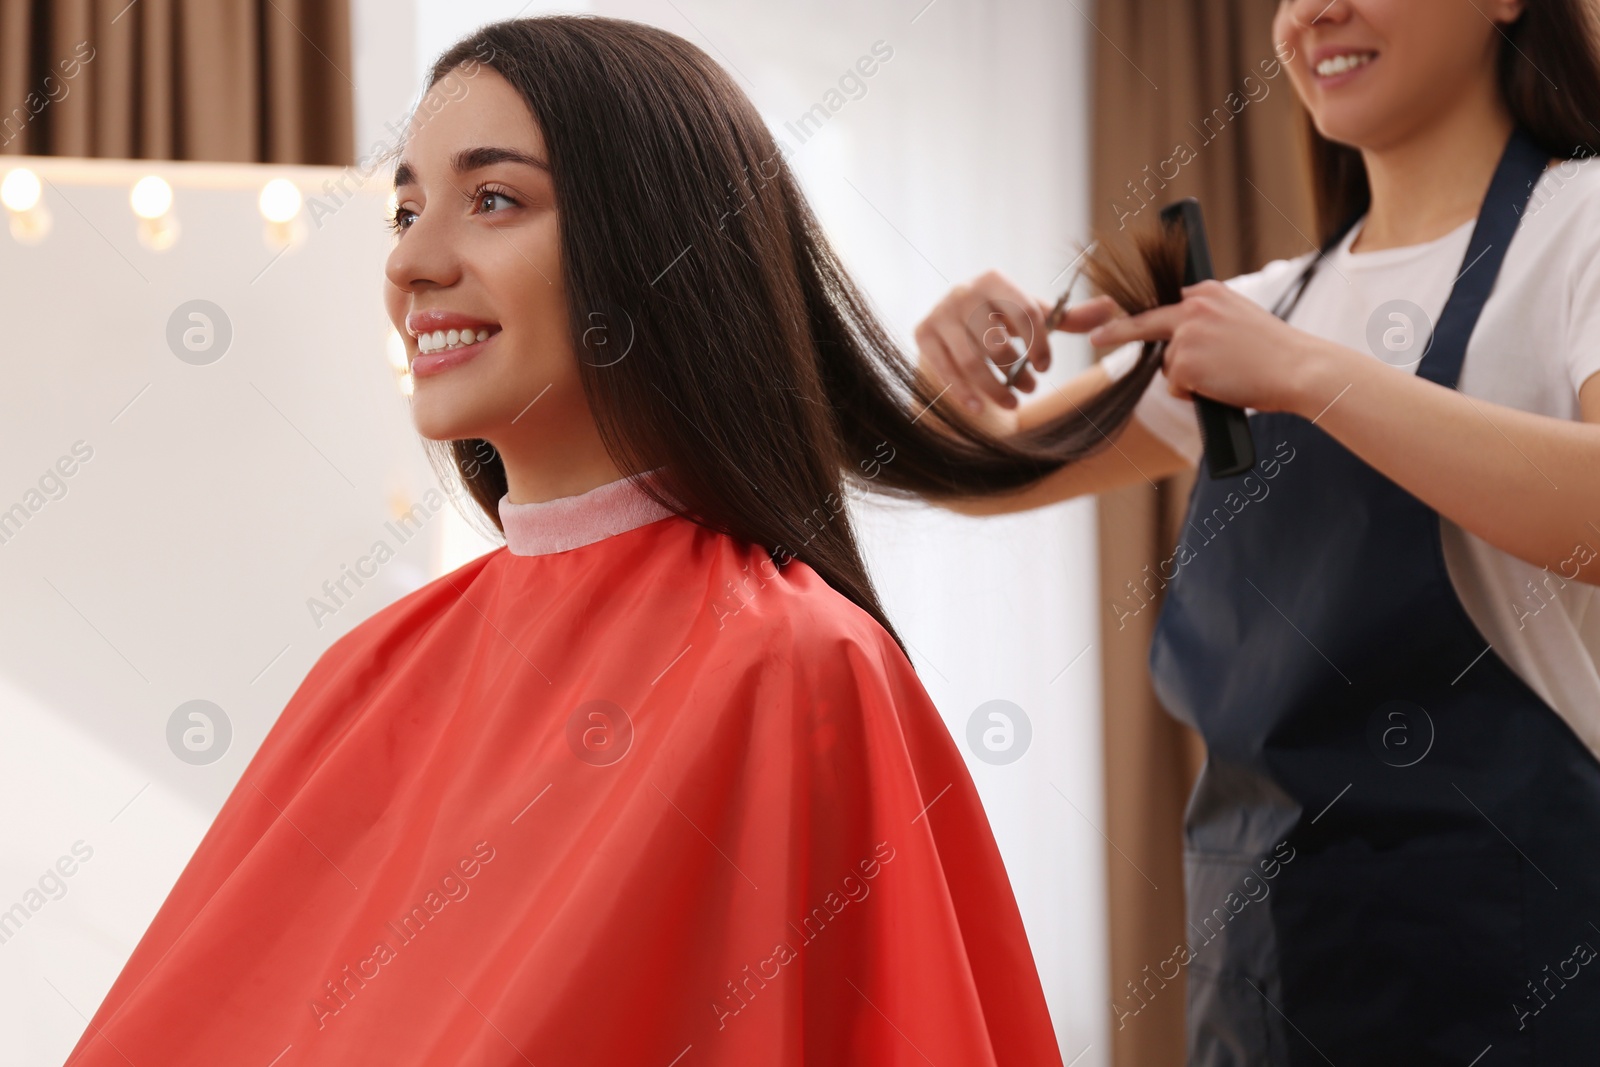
{"points": [[441, 340]]}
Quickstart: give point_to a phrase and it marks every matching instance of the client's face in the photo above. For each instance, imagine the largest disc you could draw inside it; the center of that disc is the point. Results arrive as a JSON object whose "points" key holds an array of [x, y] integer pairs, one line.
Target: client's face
{"points": [[474, 282]]}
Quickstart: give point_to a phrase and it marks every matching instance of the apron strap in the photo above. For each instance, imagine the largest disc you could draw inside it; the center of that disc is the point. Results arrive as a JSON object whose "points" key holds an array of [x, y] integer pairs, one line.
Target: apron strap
{"points": [[1521, 165]]}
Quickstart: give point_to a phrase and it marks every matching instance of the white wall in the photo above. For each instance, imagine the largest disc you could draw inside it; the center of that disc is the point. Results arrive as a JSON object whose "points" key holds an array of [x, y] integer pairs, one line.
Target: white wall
{"points": [[176, 561]]}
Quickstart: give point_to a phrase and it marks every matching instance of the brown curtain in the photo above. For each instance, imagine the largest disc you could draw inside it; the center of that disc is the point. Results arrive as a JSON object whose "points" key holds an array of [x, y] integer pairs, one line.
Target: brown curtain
{"points": [[245, 81], [1171, 75]]}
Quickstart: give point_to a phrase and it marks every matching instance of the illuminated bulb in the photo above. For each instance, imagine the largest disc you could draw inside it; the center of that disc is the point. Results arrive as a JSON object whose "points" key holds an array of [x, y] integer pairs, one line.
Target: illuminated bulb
{"points": [[399, 504], [151, 198], [400, 362], [280, 200], [20, 190], [158, 234], [397, 351], [280, 205]]}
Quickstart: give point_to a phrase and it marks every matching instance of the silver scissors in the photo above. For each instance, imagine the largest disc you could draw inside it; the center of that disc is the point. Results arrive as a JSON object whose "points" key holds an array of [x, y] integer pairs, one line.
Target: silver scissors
{"points": [[1053, 319]]}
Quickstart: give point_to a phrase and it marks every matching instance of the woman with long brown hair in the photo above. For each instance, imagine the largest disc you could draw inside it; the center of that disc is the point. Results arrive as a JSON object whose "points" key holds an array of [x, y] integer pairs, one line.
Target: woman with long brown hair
{"points": [[1388, 630], [654, 783]]}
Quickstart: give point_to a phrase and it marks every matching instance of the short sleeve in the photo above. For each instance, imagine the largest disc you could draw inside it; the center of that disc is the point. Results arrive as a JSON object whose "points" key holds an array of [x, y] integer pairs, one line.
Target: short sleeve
{"points": [[1170, 418], [1166, 416], [1582, 342], [1120, 361]]}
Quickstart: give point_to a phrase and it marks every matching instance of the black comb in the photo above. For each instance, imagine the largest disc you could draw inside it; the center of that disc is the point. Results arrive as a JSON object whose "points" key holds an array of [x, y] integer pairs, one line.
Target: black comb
{"points": [[1224, 430]]}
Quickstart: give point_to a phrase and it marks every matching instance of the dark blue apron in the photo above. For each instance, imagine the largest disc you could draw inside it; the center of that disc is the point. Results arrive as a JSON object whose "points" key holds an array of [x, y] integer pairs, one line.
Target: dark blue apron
{"points": [[1393, 850]]}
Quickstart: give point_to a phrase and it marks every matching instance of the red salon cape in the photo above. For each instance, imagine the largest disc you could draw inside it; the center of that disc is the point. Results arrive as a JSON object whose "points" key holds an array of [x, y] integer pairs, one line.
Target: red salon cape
{"points": [[650, 801]]}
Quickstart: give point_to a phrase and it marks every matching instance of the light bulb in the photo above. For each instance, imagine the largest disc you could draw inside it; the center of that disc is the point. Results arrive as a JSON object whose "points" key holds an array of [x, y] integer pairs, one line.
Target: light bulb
{"points": [[151, 197], [20, 190], [280, 200], [397, 351]]}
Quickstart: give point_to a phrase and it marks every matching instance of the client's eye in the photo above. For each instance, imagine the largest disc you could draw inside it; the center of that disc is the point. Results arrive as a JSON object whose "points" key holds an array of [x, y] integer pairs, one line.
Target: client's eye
{"points": [[483, 193], [399, 221]]}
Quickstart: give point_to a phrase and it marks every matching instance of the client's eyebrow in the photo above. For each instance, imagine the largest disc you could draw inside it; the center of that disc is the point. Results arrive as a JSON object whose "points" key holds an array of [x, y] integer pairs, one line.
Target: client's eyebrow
{"points": [[470, 159]]}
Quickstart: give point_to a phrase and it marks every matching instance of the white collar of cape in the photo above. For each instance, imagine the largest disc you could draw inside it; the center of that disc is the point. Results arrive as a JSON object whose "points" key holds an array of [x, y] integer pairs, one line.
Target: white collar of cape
{"points": [[546, 526]]}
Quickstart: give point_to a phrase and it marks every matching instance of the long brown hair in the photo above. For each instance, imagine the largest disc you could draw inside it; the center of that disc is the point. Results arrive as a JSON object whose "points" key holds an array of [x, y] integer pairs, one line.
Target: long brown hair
{"points": [[756, 374], [1549, 75]]}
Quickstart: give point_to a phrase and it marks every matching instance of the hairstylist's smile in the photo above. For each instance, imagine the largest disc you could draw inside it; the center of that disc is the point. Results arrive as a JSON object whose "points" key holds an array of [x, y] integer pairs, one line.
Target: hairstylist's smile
{"points": [[1335, 64], [446, 339]]}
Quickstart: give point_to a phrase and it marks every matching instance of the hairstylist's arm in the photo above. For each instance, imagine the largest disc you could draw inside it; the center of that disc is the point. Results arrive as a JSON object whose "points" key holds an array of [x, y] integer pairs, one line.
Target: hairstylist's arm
{"points": [[976, 323]]}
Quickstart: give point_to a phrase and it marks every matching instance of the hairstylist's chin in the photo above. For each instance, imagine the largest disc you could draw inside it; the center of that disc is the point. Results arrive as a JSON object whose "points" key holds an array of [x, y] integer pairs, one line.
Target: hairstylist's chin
{"points": [[1352, 106], [1359, 121]]}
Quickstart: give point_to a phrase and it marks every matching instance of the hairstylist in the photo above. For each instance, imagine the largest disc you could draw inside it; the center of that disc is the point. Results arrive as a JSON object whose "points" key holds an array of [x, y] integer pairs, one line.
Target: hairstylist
{"points": [[1390, 648]]}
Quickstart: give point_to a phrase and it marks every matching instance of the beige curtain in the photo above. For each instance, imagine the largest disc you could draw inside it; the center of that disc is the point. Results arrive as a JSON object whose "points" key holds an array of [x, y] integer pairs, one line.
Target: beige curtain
{"points": [[1181, 100], [263, 81]]}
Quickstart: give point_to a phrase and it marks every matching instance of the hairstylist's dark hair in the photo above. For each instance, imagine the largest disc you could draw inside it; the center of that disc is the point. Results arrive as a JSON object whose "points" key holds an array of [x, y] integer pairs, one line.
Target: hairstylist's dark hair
{"points": [[757, 375], [1549, 73]]}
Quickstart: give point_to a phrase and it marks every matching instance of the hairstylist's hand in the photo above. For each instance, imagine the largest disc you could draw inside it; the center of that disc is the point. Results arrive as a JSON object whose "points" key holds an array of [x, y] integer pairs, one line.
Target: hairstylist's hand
{"points": [[1223, 345], [970, 333]]}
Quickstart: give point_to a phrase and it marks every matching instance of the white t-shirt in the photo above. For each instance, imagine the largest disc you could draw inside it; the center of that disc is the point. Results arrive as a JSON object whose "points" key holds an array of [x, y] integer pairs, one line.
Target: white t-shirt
{"points": [[1537, 341]]}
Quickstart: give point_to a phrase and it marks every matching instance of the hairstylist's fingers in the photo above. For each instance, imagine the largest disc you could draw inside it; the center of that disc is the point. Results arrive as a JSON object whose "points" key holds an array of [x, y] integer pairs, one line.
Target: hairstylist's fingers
{"points": [[950, 376], [992, 342], [1026, 317], [1025, 382], [1024, 321], [1156, 324], [971, 355], [1167, 368], [1086, 315], [939, 370], [973, 325], [1008, 361], [996, 309]]}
